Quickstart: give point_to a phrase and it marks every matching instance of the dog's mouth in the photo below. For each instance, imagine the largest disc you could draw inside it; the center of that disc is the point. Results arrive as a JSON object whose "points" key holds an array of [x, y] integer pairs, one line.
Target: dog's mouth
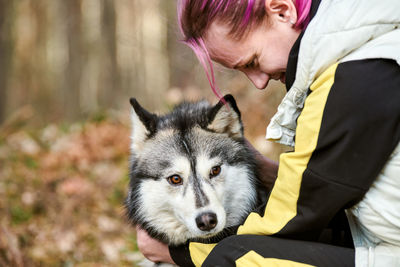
{"points": [[208, 235]]}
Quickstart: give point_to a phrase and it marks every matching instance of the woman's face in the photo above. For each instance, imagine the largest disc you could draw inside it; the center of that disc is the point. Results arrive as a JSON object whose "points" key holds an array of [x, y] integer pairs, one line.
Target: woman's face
{"points": [[262, 54]]}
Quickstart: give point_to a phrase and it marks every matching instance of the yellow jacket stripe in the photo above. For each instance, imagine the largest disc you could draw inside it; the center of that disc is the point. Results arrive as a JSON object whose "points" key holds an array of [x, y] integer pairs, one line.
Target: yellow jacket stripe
{"points": [[282, 205], [199, 252]]}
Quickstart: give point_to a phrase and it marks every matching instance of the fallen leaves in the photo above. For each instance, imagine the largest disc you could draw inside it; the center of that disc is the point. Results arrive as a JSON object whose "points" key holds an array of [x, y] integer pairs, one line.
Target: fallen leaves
{"points": [[9, 244], [76, 186], [61, 196]]}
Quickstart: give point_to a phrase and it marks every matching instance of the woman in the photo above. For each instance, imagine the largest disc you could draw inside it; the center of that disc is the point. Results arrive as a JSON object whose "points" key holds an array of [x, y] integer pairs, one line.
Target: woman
{"points": [[340, 63]]}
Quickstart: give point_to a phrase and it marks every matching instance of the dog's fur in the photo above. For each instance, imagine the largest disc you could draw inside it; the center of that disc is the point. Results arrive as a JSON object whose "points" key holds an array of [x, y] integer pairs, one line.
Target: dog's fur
{"points": [[191, 144]]}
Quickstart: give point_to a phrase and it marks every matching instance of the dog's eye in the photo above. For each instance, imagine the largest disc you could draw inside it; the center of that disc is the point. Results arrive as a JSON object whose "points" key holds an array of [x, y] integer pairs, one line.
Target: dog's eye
{"points": [[175, 179], [215, 171]]}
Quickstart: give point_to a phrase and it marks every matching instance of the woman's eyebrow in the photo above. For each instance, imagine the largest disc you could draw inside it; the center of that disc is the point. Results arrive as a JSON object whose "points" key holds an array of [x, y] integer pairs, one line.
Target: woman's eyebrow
{"points": [[241, 63]]}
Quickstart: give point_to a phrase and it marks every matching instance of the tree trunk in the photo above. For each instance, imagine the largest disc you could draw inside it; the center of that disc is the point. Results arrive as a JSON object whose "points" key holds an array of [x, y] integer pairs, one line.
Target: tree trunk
{"points": [[72, 82], [110, 72], [6, 51]]}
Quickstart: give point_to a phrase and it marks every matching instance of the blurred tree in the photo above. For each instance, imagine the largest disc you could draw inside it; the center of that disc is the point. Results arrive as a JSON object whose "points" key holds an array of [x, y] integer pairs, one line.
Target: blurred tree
{"points": [[110, 69], [70, 59], [73, 71], [6, 50]]}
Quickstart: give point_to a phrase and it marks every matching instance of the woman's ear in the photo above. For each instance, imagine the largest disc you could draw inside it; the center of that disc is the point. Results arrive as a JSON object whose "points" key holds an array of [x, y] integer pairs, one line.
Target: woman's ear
{"points": [[282, 10]]}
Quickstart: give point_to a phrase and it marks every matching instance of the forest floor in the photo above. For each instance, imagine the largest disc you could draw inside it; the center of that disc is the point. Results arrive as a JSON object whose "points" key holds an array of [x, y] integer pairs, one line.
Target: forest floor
{"points": [[62, 190]]}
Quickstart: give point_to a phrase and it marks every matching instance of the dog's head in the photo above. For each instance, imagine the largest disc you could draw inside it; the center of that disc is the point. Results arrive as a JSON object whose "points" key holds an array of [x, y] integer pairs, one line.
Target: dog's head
{"points": [[191, 174]]}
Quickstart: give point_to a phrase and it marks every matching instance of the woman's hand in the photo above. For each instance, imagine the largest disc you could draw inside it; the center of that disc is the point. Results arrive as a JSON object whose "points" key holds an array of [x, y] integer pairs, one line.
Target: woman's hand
{"points": [[151, 248]]}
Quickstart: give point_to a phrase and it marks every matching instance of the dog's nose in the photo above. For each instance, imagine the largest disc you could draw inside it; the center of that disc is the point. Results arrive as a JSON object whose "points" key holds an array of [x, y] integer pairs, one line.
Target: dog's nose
{"points": [[206, 221]]}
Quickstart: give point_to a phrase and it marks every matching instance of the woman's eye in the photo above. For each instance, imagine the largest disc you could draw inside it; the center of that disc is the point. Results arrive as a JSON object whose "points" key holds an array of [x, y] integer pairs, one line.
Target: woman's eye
{"points": [[251, 64], [175, 179], [215, 171]]}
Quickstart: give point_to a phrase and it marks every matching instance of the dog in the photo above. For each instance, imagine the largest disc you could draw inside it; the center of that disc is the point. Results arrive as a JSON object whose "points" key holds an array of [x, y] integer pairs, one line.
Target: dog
{"points": [[192, 177]]}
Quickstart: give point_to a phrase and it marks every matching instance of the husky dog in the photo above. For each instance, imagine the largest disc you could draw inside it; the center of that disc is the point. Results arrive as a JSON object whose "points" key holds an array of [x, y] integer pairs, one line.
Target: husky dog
{"points": [[192, 176]]}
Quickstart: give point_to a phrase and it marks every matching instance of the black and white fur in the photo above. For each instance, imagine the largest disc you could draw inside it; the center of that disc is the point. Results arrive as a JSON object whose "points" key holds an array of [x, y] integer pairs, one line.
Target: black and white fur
{"points": [[190, 142]]}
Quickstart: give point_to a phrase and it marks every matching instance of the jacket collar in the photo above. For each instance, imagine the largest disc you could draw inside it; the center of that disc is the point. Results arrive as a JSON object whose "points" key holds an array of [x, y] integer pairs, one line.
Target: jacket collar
{"points": [[294, 52]]}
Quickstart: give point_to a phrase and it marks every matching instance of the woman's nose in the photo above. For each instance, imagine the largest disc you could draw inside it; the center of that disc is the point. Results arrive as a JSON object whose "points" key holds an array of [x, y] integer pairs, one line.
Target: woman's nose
{"points": [[259, 79]]}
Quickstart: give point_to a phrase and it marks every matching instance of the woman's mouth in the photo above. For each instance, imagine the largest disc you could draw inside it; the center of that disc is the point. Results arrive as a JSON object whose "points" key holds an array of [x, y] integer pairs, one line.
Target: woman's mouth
{"points": [[279, 77], [282, 78]]}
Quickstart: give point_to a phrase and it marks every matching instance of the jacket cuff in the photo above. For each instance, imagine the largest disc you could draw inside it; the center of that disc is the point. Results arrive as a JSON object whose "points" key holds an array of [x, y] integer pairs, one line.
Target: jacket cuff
{"points": [[181, 255]]}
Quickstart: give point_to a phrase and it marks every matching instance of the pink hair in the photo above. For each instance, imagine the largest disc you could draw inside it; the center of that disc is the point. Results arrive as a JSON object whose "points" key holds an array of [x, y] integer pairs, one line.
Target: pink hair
{"points": [[195, 16]]}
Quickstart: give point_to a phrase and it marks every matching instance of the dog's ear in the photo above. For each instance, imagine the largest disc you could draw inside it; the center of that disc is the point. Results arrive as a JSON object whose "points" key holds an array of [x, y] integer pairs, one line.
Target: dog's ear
{"points": [[144, 124], [224, 117]]}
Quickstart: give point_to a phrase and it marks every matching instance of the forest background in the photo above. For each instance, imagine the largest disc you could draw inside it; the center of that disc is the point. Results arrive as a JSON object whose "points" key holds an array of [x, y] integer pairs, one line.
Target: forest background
{"points": [[67, 71]]}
